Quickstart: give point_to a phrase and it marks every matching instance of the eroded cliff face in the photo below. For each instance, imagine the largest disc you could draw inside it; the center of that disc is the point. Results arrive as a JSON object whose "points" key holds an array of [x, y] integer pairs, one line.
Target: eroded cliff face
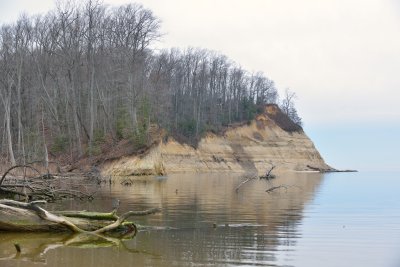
{"points": [[246, 148]]}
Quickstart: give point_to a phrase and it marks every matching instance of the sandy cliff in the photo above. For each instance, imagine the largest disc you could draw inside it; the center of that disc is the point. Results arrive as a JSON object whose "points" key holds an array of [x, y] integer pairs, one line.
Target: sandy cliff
{"points": [[269, 139]]}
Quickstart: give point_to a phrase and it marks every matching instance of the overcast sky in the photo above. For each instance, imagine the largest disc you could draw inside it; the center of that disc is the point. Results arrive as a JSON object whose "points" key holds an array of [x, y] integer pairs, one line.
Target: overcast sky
{"points": [[341, 57]]}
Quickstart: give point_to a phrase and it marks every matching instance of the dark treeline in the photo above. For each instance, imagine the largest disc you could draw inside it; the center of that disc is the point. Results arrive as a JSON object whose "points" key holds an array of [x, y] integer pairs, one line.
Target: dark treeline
{"points": [[78, 75]]}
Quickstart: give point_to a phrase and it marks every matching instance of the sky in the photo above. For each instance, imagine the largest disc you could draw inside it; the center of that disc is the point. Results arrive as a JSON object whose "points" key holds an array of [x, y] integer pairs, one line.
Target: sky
{"points": [[341, 57]]}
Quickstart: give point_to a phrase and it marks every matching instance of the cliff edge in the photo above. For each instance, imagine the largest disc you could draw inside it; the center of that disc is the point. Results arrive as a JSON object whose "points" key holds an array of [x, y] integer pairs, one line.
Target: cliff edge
{"points": [[271, 138]]}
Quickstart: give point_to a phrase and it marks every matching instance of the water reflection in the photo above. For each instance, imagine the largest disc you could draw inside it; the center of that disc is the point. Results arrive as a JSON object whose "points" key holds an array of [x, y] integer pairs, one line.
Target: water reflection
{"points": [[204, 222], [34, 246]]}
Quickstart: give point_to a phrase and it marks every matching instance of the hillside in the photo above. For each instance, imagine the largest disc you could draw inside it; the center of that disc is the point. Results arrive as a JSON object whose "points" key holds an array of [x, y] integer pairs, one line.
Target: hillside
{"points": [[271, 138]]}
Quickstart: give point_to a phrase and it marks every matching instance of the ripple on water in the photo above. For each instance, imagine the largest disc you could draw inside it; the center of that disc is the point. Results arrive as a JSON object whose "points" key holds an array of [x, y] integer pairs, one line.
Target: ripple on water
{"points": [[205, 222]]}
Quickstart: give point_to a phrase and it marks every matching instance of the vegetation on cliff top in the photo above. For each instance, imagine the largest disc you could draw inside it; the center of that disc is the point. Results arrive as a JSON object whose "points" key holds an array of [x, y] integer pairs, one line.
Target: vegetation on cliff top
{"points": [[85, 74]]}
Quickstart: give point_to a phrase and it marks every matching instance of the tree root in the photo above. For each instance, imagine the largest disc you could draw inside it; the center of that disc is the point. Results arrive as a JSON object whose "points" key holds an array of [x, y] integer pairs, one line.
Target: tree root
{"points": [[29, 183]]}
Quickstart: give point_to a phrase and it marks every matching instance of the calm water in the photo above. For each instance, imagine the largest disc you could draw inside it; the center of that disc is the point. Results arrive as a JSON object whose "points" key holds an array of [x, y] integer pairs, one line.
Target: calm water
{"points": [[338, 219]]}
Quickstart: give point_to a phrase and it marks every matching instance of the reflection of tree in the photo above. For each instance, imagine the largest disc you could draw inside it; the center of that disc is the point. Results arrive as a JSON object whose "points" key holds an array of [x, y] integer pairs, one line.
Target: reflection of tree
{"points": [[35, 246], [252, 226], [258, 223]]}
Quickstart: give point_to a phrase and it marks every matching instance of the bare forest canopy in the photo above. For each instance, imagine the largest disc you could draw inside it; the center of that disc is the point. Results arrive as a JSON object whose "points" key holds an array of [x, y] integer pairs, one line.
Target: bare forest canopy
{"points": [[85, 74]]}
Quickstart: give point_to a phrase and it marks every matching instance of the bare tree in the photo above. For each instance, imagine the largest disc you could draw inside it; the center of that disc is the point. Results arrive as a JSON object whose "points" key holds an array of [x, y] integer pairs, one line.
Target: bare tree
{"points": [[82, 72], [287, 106]]}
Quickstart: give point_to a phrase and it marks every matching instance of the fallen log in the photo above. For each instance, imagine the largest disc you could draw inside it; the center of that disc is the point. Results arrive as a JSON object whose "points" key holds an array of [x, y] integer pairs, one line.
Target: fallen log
{"points": [[29, 217], [328, 170]]}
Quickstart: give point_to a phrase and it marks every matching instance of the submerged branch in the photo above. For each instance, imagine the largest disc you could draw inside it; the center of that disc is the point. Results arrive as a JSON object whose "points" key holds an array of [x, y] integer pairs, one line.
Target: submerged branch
{"points": [[125, 216], [268, 175], [271, 189], [245, 182], [88, 215]]}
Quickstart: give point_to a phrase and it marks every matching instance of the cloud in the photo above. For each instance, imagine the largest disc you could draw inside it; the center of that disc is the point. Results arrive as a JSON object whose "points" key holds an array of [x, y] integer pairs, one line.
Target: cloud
{"points": [[340, 56], [333, 53], [11, 10]]}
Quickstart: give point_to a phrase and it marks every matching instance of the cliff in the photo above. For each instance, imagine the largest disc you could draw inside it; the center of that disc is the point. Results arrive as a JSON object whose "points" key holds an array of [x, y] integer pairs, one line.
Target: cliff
{"points": [[271, 138]]}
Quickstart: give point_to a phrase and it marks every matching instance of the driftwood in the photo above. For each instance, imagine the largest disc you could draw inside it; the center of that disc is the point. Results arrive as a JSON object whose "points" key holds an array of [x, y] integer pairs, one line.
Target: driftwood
{"points": [[268, 176], [245, 182], [29, 183], [328, 169], [20, 216], [273, 188]]}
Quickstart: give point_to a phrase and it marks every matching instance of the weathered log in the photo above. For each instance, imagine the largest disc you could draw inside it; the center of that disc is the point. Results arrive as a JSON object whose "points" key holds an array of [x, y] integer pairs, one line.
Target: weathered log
{"points": [[103, 215], [328, 169], [19, 219], [20, 216], [108, 216]]}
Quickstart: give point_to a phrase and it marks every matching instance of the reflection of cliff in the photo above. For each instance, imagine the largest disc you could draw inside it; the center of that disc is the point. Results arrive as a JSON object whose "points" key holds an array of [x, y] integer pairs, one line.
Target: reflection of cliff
{"points": [[251, 225], [259, 224], [210, 195], [244, 148]]}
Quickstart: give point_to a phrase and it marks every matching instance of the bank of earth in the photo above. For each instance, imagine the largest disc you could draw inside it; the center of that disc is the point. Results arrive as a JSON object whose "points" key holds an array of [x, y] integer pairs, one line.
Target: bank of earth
{"points": [[270, 139]]}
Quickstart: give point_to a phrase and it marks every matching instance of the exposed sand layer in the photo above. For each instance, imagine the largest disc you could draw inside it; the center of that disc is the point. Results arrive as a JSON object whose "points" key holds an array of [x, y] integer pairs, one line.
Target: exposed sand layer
{"points": [[246, 148]]}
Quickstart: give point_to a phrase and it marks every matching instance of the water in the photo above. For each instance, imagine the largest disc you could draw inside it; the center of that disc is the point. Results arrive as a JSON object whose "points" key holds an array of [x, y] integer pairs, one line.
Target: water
{"points": [[337, 219]]}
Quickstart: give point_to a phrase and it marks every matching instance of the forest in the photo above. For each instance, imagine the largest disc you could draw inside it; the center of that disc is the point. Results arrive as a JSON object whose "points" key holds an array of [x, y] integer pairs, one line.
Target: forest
{"points": [[82, 74]]}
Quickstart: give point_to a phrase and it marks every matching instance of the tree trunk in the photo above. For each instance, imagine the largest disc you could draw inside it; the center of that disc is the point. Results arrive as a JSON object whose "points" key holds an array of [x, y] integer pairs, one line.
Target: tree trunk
{"points": [[46, 154], [19, 111], [92, 111], [18, 219], [21, 216], [8, 129]]}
